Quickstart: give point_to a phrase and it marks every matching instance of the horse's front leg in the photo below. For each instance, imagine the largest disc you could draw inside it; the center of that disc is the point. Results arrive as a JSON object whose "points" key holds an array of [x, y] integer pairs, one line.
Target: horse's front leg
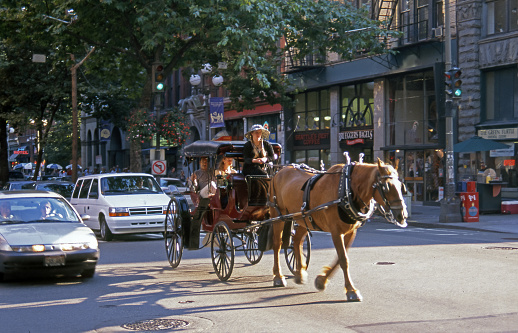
{"points": [[301, 275], [341, 243], [278, 279]]}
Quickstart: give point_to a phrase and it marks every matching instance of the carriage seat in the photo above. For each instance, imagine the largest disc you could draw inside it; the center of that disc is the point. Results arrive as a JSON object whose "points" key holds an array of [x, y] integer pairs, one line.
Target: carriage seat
{"points": [[238, 183], [258, 189]]}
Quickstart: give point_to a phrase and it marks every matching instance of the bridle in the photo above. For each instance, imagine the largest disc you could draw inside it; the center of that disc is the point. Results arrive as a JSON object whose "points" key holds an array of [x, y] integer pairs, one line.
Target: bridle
{"points": [[382, 187]]}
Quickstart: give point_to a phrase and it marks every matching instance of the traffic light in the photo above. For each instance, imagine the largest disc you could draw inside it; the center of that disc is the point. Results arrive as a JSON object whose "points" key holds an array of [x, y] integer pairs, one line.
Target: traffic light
{"points": [[456, 82], [453, 82], [158, 78]]}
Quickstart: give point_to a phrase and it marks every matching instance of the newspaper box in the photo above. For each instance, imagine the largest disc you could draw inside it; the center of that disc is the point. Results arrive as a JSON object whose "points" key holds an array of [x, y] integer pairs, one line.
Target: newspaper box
{"points": [[469, 206]]}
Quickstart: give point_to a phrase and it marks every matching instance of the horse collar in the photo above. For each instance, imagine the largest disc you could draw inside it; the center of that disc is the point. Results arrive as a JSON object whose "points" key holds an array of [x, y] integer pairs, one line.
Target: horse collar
{"points": [[346, 208]]}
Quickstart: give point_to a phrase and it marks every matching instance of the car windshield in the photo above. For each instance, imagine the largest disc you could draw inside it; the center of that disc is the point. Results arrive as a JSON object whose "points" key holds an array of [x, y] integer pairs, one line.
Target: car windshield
{"points": [[36, 209], [129, 184]]}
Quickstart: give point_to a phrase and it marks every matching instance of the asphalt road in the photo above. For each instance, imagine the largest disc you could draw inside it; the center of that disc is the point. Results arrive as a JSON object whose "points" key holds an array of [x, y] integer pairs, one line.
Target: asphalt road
{"points": [[412, 280]]}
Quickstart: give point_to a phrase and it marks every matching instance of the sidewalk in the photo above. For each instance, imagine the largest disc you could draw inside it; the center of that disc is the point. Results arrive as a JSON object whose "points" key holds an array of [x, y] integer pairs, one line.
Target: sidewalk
{"points": [[429, 215]]}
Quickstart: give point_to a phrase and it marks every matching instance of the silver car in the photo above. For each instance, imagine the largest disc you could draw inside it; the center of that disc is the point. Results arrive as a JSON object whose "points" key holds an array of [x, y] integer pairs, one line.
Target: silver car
{"points": [[41, 234]]}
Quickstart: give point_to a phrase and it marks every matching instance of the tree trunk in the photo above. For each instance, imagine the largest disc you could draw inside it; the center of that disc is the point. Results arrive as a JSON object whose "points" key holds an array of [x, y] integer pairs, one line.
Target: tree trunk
{"points": [[136, 146], [4, 154]]}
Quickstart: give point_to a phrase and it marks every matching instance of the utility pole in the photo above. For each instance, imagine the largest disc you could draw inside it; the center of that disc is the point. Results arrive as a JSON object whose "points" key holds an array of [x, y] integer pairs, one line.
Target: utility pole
{"points": [[73, 71], [450, 205]]}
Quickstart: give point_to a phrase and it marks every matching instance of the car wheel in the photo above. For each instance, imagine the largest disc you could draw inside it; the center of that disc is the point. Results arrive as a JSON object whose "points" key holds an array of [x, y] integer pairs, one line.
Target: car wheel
{"points": [[106, 234], [88, 273]]}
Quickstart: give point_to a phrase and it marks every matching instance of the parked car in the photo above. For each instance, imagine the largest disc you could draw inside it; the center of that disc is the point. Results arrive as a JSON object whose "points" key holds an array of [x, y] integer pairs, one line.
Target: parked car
{"points": [[121, 203], [165, 182], [61, 187], [19, 185], [52, 241], [16, 175], [170, 185]]}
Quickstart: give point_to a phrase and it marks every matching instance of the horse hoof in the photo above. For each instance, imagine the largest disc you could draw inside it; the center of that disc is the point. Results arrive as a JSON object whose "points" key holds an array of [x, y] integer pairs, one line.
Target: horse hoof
{"points": [[301, 277], [353, 296], [321, 282], [280, 282]]}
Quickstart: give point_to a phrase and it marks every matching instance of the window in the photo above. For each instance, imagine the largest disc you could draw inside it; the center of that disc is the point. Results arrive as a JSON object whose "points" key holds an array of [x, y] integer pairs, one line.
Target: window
{"points": [[313, 158], [357, 102], [412, 110], [502, 16], [312, 111], [501, 94]]}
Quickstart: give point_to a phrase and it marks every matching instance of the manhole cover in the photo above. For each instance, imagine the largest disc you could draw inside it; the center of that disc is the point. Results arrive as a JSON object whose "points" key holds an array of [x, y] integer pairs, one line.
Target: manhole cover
{"points": [[501, 248], [385, 263], [155, 325]]}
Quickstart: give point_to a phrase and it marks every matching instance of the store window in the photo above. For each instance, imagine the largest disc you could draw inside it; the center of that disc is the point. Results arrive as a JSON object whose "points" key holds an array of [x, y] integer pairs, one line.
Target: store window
{"points": [[235, 129], [315, 158], [357, 102], [502, 16], [312, 111], [501, 94], [412, 110]]}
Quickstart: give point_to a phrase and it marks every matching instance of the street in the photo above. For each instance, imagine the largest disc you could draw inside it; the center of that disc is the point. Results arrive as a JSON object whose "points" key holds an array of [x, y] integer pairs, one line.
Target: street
{"points": [[412, 280]]}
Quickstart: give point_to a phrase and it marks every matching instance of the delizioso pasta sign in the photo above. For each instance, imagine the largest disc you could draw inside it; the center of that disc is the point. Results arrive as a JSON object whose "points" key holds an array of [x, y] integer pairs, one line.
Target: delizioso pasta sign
{"points": [[355, 137]]}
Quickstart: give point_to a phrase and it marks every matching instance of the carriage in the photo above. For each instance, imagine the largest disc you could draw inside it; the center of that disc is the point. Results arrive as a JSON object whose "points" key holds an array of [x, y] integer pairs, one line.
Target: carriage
{"points": [[338, 201], [230, 220]]}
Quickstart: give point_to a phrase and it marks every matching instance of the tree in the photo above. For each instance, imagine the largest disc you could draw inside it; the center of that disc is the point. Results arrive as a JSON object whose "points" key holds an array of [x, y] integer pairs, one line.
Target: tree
{"points": [[250, 36]]}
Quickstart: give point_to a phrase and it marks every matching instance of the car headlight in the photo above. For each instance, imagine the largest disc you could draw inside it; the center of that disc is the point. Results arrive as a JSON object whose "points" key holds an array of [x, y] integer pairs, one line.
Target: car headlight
{"points": [[79, 246], [119, 211], [4, 246]]}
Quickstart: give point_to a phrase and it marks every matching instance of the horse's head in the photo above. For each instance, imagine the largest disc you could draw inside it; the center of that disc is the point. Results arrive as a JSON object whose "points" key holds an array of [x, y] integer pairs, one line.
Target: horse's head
{"points": [[389, 194]]}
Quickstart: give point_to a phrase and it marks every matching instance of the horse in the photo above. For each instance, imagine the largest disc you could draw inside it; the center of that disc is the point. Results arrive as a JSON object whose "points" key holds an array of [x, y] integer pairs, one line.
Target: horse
{"points": [[339, 202]]}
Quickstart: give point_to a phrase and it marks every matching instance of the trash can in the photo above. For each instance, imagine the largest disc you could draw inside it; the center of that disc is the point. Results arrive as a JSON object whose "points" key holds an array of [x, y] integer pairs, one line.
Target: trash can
{"points": [[408, 203], [469, 207]]}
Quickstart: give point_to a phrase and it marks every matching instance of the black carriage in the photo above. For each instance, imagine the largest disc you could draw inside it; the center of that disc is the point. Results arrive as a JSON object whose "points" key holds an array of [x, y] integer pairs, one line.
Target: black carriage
{"points": [[229, 220]]}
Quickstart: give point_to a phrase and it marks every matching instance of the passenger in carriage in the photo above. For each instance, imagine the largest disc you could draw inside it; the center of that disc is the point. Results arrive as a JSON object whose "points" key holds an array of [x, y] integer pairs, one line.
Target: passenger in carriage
{"points": [[257, 152], [200, 179], [226, 166]]}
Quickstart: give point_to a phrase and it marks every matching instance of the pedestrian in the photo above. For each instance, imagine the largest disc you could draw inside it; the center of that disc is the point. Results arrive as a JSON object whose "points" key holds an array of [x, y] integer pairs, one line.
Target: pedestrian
{"points": [[172, 172]]}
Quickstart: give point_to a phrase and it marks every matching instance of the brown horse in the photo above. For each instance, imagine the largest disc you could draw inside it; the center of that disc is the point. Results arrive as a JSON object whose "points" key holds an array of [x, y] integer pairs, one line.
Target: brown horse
{"points": [[363, 183]]}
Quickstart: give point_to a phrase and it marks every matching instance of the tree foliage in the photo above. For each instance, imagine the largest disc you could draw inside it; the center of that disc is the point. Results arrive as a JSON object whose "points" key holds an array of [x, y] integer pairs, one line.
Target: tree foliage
{"points": [[250, 36]]}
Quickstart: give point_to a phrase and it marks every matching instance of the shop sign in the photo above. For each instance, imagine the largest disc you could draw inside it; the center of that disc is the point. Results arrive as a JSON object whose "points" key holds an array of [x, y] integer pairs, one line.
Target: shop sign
{"points": [[312, 138], [499, 133], [21, 152], [355, 137]]}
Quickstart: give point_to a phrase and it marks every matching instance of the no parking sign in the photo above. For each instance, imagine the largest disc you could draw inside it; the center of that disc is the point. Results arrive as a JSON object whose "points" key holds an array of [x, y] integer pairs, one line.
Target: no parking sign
{"points": [[159, 168]]}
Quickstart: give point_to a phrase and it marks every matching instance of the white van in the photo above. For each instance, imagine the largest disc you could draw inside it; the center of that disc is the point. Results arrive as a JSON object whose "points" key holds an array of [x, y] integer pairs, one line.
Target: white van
{"points": [[121, 203]]}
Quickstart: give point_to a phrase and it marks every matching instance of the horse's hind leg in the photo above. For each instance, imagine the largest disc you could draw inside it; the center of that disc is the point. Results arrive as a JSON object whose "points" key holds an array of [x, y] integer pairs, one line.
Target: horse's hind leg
{"points": [[278, 279]]}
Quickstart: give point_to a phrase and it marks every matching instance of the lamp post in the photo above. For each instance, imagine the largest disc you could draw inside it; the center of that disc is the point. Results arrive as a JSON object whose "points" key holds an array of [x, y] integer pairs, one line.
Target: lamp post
{"points": [[196, 80]]}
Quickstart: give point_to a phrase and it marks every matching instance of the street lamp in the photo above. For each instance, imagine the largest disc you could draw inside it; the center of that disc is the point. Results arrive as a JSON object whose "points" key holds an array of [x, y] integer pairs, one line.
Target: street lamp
{"points": [[196, 80]]}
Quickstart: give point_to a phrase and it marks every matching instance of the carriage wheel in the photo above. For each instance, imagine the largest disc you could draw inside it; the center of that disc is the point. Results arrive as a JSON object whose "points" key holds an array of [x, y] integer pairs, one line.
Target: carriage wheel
{"points": [[252, 252], [289, 254], [173, 234], [223, 251]]}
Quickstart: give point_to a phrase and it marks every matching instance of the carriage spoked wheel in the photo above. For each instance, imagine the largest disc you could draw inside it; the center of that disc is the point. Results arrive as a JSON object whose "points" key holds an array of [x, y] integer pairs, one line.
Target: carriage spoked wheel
{"points": [[173, 233], [251, 246], [289, 254], [222, 251]]}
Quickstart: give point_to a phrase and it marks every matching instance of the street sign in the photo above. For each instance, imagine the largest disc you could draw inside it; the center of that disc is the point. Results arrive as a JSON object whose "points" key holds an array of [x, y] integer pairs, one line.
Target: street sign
{"points": [[159, 168]]}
